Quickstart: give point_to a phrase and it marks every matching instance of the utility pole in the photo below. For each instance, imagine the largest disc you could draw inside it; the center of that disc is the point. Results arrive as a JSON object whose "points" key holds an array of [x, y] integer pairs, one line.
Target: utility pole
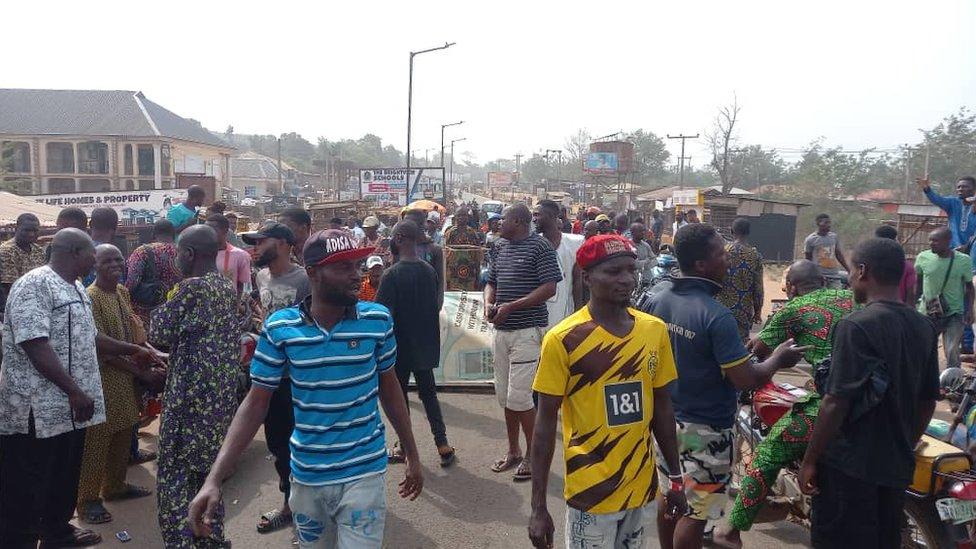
{"points": [[908, 172], [559, 154], [281, 188], [681, 159], [451, 178], [518, 173], [443, 126], [410, 104]]}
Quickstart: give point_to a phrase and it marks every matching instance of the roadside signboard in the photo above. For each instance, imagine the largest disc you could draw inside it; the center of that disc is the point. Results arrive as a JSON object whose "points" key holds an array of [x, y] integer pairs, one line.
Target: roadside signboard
{"points": [[396, 187], [501, 180], [133, 207], [687, 197], [601, 163]]}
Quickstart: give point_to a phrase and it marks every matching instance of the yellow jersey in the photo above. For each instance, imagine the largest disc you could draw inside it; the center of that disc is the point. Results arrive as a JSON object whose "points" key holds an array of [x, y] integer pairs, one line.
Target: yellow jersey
{"points": [[607, 384]]}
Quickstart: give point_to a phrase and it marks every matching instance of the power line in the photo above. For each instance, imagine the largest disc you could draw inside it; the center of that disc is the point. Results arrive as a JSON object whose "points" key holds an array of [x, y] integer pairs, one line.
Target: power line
{"points": [[683, 138]]}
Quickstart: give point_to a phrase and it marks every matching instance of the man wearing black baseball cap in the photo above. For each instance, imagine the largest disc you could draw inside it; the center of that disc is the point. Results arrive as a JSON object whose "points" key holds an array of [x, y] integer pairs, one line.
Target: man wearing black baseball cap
{"points": [[280, 284], [340, 353]]}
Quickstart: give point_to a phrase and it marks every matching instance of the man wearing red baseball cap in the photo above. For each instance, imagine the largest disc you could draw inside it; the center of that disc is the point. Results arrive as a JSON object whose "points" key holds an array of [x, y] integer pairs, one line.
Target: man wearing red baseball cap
{"points": [[607, 366], [339, 353]]}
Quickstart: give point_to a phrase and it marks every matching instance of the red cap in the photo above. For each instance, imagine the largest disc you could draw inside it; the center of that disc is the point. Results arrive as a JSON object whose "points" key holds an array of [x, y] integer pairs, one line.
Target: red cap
{"points": [[332, 246], [601, 248]]}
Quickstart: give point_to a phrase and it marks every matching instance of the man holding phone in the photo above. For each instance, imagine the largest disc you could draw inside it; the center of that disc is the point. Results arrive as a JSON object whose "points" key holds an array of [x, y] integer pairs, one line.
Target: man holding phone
{"points": [[959, 209], [713, 364]]}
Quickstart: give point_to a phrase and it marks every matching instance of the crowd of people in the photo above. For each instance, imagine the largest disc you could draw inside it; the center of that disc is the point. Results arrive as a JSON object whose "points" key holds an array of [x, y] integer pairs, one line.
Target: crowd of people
{"points": [[97, 342]]}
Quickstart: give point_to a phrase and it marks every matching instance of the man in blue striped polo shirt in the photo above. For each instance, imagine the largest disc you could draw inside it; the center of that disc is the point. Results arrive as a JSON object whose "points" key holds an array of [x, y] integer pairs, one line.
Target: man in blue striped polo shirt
{"points": [[339, 354]]}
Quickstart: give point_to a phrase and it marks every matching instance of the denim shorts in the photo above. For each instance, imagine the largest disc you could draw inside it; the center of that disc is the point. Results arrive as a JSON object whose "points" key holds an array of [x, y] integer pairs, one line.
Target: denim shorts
{"points": [[344, 516], [607, 530]]}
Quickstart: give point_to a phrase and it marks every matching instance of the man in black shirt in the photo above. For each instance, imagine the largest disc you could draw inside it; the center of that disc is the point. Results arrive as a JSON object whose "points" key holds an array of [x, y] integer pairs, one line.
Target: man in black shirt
{"points": [[427, 249], [410, 290], [880, 395], [522, 275]]}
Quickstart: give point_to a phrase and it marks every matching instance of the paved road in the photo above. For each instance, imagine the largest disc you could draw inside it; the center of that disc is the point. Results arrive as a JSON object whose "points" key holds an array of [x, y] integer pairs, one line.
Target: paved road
{"points": [[464, 506]]}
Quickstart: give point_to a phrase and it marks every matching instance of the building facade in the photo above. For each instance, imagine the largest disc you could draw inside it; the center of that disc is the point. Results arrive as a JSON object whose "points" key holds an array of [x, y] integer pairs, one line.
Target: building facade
{"points": [[66, 141]]}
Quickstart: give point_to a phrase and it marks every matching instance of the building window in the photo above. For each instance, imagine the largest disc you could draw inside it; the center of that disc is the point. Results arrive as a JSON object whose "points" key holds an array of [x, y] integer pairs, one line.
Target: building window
{"points": [[146, 185], [250, 192], [92, 157], [130, 185], [164, 156], [15, 157], [147, 160], [95, 185], [18, 185], [127, 159], [58, 185], [60, 157]]}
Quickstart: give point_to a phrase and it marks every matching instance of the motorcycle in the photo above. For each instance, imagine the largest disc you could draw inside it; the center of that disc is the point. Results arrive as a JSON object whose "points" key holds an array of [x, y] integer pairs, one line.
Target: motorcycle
{"points": [[665, 268], [940, 503]]}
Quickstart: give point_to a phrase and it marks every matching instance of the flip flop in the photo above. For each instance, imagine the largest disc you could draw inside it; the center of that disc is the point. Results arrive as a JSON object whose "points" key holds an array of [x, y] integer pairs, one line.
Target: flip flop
{"points": [[273, 521], [130, 491], [507, 464], [449, 458], [93, 512], [77, 538], [523, 473]]}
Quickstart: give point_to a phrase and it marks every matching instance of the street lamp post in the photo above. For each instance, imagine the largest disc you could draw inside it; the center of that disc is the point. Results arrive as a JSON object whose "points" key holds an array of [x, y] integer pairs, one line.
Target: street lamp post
{"points": [[442, 137], [451, 179], [410, 102]]}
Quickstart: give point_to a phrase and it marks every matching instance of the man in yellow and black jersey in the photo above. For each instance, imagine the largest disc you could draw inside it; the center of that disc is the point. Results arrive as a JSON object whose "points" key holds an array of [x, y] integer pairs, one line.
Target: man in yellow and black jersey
{"points": [[607, 366]]}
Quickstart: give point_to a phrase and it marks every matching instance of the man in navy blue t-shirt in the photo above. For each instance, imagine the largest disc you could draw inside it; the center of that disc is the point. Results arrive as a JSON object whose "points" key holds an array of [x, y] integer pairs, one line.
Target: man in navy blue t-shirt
{"points": [[712, 365]]}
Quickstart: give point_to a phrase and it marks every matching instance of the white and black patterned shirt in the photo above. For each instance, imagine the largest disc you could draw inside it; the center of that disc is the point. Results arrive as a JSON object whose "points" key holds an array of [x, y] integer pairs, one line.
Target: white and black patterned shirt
{"points": [[516, 269], [41, 304]]}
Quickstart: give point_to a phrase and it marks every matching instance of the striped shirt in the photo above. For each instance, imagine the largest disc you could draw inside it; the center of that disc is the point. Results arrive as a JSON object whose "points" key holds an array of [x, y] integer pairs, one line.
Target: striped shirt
{"points": [[516, 269], [338, 435]]}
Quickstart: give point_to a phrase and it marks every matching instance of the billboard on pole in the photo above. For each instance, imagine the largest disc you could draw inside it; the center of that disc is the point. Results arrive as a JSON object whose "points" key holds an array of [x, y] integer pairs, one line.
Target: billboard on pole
{"points": [[501, 180], [390, 187], [602, 163]]}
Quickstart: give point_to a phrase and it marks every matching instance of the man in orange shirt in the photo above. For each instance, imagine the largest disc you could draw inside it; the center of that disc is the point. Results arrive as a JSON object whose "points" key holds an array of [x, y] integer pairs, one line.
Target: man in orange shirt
{"points": [[371, 282]]}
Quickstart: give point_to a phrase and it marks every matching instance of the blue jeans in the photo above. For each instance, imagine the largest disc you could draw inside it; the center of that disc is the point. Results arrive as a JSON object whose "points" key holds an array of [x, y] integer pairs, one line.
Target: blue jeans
{"points": [[624, 529], [343, 516], [951, 329]]}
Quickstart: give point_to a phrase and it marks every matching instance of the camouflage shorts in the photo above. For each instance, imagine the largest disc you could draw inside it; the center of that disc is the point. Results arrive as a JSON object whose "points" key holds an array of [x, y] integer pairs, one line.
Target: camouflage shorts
{"points": [[705, 456]]}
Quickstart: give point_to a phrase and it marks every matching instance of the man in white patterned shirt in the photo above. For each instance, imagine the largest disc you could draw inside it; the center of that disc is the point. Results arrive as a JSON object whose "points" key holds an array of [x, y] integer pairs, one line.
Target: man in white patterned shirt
{"points": [[50, 391]]}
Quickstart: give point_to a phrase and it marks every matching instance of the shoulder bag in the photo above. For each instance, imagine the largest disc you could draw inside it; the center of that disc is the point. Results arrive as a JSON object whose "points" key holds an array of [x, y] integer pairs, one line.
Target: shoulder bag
{"points": [[937, 306]]}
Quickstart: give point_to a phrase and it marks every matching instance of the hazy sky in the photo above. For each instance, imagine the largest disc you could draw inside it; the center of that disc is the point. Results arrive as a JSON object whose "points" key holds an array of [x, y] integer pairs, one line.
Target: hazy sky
{"points": [[524, 75]]}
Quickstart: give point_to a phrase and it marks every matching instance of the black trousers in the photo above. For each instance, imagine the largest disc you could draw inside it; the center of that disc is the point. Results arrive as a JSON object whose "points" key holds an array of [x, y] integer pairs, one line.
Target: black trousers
{"points": [[278, 425], [38, 486], [427, 388], [849, 512]]}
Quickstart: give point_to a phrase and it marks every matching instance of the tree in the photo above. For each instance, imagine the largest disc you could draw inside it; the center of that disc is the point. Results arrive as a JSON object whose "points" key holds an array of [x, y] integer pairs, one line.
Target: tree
{"points": [[952, 150], [577, 146], [721, 140], [753, 166], [650, 156]]}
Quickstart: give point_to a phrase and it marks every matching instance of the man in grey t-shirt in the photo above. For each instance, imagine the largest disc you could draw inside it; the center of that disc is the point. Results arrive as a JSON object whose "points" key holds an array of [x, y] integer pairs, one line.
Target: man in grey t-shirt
{"points": [[823, 248], [280, 284]]}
